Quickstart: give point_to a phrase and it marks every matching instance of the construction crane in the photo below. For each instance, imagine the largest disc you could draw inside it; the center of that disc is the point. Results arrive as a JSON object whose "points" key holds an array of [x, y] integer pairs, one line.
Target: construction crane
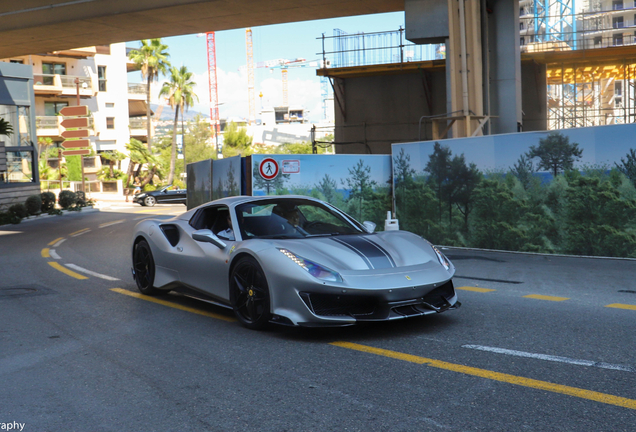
{"points": [[214, 93], [250, 75]]}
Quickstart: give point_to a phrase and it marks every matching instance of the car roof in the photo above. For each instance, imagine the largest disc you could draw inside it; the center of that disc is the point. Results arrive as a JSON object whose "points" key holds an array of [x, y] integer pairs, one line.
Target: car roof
{"points": [[241, 199]]}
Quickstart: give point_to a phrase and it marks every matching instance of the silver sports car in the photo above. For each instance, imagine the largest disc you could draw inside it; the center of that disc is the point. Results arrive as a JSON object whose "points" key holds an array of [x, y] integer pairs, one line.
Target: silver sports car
{"points": [[292, 260]]}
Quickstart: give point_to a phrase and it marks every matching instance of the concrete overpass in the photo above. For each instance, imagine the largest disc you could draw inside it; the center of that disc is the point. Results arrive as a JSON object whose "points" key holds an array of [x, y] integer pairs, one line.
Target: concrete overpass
{"points": [[39, 26]]}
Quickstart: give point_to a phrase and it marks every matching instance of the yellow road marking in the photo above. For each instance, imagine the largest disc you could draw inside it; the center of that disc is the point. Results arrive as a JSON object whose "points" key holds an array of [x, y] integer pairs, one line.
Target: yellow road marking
{"points": [[621, 306], [496, 376], [173, 305], [64, 270], [55, 241], [107, 224], [149, 210], [475, 289], [545, 297], [79, 232], [45, 253]]}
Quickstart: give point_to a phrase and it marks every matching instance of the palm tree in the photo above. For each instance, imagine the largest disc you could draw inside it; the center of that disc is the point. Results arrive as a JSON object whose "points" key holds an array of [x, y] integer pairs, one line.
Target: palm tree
{"points": [[152, 60], [180, 95]]}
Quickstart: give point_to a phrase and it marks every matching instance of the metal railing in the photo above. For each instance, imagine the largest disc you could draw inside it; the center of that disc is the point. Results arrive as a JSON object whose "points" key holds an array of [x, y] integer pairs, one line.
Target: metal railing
{"points": [[135, 88], [138, 123], [363, 49], [46, 122]]}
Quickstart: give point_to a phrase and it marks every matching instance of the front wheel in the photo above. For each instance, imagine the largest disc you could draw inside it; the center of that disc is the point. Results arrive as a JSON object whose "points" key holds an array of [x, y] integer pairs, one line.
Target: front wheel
{"points": [[249, 294], [144, 266], [150, 201]]}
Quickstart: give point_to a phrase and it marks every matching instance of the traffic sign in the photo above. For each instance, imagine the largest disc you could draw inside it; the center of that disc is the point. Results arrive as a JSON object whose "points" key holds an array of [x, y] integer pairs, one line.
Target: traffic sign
{"points": [[268, 168], [74, 111], [80, 133], [80, 122], [76, 152], [76, 143]]}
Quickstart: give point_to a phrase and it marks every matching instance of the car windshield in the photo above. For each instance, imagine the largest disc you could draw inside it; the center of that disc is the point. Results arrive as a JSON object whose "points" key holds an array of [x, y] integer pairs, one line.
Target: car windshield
{"points": [[292, 218]]}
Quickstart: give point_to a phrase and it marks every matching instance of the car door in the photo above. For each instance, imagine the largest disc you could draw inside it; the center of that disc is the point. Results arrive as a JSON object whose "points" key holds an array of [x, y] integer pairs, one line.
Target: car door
{"points": [[204, 266]]}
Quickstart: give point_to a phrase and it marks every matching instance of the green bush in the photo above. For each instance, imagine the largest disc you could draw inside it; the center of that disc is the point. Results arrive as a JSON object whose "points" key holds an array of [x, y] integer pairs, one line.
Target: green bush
{"points": [[67, 199], [48, 201], [9, 218], [19, 210], [81, 198], [33, 204]]}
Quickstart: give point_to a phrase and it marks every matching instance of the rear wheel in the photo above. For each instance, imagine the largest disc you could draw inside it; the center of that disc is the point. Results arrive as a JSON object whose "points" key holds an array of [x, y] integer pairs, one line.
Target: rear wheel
{"points": [[249, 294], [150, 201], [144, 266]]}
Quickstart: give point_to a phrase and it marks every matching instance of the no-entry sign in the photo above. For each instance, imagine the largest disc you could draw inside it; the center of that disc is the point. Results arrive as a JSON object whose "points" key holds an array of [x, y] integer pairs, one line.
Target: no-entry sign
{"points": [[268, 169]]}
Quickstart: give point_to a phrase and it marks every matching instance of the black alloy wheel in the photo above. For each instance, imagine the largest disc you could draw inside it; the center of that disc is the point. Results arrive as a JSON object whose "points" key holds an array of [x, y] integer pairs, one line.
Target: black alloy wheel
{"points": [[144, 266], [249, 294]]}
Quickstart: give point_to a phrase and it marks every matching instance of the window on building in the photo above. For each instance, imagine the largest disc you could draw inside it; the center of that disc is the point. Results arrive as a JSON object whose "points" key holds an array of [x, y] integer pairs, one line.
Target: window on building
{"points": [[17, 61], [522, 41], [598, 41], [110, 105], [617, 22], [16, 150], [53, 108], [618, 39], [618, 88], [101, 76], [50, 69], [617, 4], [110, 122], [521, 25]]}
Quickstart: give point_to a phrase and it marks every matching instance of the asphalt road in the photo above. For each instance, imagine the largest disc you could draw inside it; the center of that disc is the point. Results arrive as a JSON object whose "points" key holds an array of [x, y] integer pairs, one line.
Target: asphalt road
{"points": [[540, 344]]}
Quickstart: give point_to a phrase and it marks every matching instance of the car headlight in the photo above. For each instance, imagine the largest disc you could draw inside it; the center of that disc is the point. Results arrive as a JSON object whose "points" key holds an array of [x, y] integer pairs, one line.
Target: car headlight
{"points": [[442, 258], [314, 269]]}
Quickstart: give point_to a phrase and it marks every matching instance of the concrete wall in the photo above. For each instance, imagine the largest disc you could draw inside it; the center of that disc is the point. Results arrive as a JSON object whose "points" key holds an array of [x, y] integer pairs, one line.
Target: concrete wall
{"points": [[376, 111], [534, 97]]}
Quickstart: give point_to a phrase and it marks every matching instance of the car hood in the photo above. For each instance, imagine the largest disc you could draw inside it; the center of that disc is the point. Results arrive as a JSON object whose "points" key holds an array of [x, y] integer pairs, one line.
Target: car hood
{"points": [[384, 250]]}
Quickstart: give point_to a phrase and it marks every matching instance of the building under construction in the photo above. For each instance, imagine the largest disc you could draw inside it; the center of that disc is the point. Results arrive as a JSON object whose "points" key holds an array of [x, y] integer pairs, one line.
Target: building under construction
{"points": [[589, 48]]}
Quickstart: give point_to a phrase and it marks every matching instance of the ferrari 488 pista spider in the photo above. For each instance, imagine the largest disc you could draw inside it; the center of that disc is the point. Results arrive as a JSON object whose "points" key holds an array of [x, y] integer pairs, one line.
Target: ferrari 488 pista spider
{"points": [[292, 260]]}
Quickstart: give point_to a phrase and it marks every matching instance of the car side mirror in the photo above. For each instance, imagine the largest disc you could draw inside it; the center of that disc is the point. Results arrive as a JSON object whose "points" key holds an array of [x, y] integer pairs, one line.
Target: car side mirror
{"points": [[369, 226], [207, 236]]}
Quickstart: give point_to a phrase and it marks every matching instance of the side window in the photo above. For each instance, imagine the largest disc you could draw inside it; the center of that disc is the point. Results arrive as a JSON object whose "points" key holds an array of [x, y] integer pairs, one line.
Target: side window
{"points": [[212, 218]]}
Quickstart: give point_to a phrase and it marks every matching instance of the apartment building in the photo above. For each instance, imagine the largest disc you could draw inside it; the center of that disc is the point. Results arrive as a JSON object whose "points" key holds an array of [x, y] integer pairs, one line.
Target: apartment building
{"points": [[98, 77]]}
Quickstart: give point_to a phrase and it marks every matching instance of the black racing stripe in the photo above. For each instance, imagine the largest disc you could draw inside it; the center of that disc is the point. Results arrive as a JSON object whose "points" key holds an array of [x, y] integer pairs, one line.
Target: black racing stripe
{"points": [[384, 251], [377, 257], [360, 254]]}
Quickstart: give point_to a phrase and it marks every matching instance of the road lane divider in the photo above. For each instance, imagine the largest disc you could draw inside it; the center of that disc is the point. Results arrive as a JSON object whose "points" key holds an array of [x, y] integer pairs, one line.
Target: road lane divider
{"points": [[495, 376], [57, 242], [107, 224], [45, 253], [91, 273], [546, 297], [66, 271], [621, 306], [476, 289], [552, 358], [173, 305], [80, 232]]}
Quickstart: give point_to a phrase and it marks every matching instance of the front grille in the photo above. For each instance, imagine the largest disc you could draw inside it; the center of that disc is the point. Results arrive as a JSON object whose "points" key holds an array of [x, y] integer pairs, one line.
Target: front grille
{"points": [[440, 296], [339, 305]]}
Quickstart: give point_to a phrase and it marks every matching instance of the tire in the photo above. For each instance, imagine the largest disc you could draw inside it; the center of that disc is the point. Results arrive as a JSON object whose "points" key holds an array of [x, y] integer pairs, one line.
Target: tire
{"points": [[249, 294], [150, 201], [144, 266]]}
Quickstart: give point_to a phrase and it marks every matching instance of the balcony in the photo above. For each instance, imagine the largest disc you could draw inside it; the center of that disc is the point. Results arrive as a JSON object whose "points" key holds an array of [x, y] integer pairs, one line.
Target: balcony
{"points": [[137, 91], [83, 52], [138, 127], [50, 126], [63, 85]]}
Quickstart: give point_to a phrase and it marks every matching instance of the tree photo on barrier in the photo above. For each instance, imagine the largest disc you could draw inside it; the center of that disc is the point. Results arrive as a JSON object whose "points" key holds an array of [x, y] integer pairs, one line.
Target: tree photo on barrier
{"points": [[546, 201], [360, 185]]}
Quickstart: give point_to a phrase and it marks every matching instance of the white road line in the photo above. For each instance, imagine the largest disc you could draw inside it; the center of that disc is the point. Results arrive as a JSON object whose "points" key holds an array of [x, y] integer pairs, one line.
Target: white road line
{"points": [[90, 273], [104, 225], [54, 254], [59, 243], [559, 359]]}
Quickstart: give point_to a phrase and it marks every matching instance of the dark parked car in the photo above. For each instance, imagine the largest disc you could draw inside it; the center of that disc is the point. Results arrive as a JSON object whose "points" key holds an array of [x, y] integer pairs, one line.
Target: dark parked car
{"points": [[166, 195]]}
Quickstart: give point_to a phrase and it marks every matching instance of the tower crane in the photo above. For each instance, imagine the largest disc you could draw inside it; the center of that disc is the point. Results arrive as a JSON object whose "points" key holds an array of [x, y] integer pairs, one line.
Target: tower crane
{"points": [[214, 93], [250, 75]]}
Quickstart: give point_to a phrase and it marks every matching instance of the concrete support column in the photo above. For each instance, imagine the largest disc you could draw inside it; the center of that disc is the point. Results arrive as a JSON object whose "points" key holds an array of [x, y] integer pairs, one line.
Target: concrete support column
{"points": [[505, 66]]}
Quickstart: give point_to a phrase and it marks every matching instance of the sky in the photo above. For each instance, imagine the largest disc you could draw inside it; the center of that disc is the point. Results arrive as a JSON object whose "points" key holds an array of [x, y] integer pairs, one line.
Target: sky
{"points": [[282, 41]]}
